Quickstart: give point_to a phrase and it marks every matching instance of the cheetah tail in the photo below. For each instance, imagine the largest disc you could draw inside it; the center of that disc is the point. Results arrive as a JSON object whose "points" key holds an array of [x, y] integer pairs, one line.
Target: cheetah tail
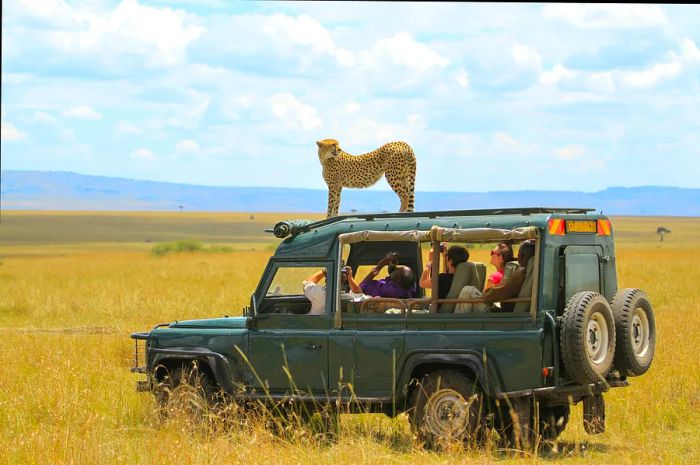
{"points": [[410, 183]]}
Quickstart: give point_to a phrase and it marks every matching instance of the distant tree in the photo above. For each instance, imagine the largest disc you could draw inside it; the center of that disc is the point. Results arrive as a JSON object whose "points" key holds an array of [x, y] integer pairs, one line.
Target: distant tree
{"points": [[661, 231], [252, 216], [353, 210], [180, 207]]}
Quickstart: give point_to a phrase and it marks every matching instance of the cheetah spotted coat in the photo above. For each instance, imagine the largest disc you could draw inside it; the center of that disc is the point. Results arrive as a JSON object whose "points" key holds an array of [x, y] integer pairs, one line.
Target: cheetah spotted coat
{"points": [[395, 160]]}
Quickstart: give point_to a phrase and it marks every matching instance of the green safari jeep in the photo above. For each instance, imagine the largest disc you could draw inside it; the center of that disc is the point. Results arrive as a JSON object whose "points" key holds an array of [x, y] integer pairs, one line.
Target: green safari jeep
{"points": [[567, 336]]}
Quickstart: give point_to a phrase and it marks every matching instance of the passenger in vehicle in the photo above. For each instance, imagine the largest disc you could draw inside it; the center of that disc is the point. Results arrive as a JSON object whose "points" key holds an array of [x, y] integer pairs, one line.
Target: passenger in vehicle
{"points": [[507, 288], [500, 255], [317, 293], [400, 284], [510, 287], [451, 258]]}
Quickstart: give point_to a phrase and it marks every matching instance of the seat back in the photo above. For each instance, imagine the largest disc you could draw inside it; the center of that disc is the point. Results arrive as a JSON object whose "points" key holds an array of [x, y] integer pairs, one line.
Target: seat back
{"points": [[466, 274], [526, 289], [509, 268]]}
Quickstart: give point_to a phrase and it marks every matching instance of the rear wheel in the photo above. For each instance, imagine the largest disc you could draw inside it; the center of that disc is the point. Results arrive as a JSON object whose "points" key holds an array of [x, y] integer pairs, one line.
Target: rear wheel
{"points": [[587, 337], [446, 406], [636, 332]]}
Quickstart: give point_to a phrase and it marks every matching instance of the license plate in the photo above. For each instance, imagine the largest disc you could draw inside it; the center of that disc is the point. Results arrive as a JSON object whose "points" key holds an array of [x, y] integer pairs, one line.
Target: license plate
{"points": [[577, 226]]}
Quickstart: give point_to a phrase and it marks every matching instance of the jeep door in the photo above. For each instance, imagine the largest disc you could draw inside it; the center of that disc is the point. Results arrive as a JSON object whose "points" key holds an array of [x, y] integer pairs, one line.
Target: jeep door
{"points": [[288, 347]]}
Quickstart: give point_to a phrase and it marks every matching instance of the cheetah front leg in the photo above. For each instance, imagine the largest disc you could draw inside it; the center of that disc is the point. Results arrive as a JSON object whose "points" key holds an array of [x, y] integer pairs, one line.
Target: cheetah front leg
{"points": [[333, 201]]}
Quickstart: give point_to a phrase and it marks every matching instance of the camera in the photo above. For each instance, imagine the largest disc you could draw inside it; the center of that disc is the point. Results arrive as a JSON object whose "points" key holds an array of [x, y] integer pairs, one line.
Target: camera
{"points": [[442, 247]]}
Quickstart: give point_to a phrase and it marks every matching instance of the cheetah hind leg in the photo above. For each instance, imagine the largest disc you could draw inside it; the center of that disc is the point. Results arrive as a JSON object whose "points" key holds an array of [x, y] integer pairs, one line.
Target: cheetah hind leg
{"points": [[397, 185]]}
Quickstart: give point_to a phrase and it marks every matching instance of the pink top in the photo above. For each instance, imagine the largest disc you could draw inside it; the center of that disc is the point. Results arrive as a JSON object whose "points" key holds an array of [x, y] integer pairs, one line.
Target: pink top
{"points": [[496, 277]]}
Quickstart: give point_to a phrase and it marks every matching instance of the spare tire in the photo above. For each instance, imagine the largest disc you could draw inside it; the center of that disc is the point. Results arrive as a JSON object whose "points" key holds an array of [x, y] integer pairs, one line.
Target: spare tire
{"points": [[636, 332], [587, 337]]}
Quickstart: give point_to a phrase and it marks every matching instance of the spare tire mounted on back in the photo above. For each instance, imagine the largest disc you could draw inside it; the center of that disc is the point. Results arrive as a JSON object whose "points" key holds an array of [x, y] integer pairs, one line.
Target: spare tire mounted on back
{"points": [[587, 337], [636, 332]]}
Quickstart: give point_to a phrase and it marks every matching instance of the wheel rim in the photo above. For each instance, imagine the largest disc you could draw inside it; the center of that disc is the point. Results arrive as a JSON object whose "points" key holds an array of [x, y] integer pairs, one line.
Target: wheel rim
{"points": [[639, 332], [447, 414], [597, 338]]}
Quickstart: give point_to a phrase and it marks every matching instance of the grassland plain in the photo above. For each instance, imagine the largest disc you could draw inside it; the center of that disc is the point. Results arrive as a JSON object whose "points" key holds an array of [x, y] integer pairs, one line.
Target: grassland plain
{"points": [[74, 285]]}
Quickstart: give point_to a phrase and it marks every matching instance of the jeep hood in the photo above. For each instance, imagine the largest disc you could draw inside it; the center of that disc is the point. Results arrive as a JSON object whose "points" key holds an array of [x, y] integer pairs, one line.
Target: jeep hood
{"points": [[226, 322]]}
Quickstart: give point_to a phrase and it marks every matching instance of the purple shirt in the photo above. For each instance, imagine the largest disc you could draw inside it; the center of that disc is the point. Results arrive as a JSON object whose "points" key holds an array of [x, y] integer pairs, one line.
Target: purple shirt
{"points": [[385, 288]]}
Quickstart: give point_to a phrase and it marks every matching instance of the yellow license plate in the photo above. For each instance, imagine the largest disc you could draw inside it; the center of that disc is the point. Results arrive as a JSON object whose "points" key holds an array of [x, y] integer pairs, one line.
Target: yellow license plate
{"points": [[576, 226]]}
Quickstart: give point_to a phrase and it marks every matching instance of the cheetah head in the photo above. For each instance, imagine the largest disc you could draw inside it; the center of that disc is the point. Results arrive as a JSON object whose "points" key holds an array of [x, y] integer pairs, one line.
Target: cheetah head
{"points": [[327, 149]]}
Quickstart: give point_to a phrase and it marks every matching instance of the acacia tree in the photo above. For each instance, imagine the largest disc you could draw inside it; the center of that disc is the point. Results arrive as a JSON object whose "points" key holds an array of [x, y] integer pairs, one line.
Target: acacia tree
{"points": [[661, 231]]}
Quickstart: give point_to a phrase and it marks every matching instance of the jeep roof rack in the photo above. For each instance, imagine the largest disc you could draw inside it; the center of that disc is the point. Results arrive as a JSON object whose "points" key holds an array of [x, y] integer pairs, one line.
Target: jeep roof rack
{"points": [[442, 213]]}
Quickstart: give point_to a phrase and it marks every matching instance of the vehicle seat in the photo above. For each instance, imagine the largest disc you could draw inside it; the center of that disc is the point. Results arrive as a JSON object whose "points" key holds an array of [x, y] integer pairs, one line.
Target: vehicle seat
{"points": [[509, 268], [466, 274], [526, 290]]}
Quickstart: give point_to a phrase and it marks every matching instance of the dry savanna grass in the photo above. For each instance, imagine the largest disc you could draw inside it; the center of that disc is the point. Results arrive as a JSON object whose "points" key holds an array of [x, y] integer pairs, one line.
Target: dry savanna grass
{"points": [[72, 289]]}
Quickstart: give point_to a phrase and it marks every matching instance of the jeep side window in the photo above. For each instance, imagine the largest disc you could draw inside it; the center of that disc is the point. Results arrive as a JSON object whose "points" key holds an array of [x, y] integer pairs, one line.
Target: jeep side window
{"points": [[296, 290]]}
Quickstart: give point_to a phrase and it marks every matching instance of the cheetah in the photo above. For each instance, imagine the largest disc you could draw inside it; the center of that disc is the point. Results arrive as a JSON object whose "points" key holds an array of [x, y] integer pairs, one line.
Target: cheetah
{"points": [[395, 160]]}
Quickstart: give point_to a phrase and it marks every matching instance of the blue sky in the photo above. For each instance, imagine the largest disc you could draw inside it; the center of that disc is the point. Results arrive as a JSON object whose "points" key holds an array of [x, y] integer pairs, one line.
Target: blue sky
{"points": [[490, 96]]}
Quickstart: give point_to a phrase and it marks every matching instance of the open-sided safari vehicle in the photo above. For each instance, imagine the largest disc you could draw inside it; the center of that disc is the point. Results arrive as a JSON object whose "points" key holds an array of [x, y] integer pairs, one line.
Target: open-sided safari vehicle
{"points": [[569, 337]]}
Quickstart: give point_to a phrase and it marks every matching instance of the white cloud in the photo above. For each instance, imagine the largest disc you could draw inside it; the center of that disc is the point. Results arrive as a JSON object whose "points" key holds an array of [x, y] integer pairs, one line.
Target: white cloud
{"points": [[652, 75], [188, 114], [352, 107], [570, 152], [293, 112], [369, 133], [125, 127], [526, 56], [689, 51], [82, 112], [67, 135], [43, 117], [609, 81], [288, 31], [461, 77], [606, 16], [401, 49], [143, 153], [10, 132], [160, 34], [187, 146], [505, 142], [414, 119]]}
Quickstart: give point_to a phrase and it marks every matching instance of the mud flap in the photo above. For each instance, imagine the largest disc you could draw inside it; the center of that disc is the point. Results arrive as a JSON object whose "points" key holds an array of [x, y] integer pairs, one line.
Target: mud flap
{"points": [[594, 414], [520, 416]]}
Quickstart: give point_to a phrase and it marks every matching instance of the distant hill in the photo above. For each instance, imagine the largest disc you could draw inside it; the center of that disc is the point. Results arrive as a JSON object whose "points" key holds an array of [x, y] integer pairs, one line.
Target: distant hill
{"points": [[43, 190]]}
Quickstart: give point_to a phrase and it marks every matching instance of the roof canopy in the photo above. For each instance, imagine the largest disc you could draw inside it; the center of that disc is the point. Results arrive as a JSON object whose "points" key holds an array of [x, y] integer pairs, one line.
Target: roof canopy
{"points": [[437, 233]]}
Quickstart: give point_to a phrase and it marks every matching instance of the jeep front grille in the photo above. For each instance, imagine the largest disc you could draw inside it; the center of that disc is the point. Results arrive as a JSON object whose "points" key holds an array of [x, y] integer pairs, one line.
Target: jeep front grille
{"points": [[140, 342]]}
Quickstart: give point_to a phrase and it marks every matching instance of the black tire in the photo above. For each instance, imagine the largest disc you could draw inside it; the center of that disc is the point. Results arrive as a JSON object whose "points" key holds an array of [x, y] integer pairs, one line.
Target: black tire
{"points": [[587, 337], [189, 389], [446, 406], [636, 332]]}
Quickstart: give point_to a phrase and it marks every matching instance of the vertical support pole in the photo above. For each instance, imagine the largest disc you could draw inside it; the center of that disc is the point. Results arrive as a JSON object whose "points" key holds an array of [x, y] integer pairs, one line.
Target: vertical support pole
{"points": [[434, 277], [535, 278]]}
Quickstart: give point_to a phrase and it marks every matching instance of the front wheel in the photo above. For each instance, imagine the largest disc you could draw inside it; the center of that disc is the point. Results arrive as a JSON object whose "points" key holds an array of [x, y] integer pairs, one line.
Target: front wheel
{"points": [[188, 389], [446, 406]]}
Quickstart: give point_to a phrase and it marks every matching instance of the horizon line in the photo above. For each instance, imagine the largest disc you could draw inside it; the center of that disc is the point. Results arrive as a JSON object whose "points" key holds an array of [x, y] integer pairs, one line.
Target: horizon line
{"points": [[349, 188]]}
